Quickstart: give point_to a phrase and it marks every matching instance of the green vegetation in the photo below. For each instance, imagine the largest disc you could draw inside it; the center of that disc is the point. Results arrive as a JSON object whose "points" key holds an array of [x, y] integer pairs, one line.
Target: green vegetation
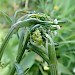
{"points": [[37, 37]]}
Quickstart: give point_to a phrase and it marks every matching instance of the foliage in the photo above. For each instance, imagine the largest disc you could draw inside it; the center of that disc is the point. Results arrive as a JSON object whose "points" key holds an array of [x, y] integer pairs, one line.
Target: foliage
{"points": [[63, 38]]}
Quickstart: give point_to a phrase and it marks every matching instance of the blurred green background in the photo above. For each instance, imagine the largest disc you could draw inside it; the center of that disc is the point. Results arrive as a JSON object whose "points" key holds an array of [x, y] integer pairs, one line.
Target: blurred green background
{"points": [[60, 9]]}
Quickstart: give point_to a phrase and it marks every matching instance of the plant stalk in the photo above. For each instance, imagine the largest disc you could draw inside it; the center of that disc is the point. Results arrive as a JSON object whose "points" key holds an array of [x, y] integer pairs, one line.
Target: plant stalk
{"points": [[26, 4], [52, 55], [15, 27], [52, 60], [21, 48]]}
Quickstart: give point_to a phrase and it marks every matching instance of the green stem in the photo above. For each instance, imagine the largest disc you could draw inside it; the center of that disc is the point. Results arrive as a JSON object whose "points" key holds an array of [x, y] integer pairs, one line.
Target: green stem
{"points": [[15, 27], [52, 56], [22, 48], [11, 31], [52, 60], [38, 48], [40, 52], [19, 56], [26, 4]]}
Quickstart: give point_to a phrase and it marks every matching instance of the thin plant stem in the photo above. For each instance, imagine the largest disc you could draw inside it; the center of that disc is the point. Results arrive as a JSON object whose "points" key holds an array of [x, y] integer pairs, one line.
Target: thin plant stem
{"points": [[40, 52], [11, 31], [52, 56], [15, 27], [52, 60], [26, 4], [21, 48]]}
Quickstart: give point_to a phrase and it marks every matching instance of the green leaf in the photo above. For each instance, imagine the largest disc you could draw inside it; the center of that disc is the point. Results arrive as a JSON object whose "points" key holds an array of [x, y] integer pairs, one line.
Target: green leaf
{"points": [[63, 69], [5, 70], [28, 61], [70, 56], [7, 18]]}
